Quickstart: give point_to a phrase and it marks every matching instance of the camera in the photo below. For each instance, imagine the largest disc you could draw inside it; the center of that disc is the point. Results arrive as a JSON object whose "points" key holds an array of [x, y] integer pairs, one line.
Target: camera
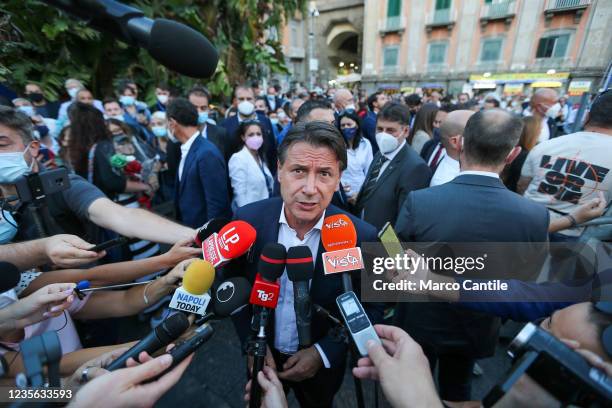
{"points": [[36, 186], [561, 371]]}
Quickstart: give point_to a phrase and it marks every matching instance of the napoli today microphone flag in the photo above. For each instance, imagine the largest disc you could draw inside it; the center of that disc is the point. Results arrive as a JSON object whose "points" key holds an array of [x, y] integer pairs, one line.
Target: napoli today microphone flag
{"points": [[191, 297], [232, 241]]}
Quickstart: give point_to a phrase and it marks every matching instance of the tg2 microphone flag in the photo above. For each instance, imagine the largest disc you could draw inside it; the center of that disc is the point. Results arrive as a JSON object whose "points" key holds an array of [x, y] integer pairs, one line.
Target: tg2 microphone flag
{"points": [[271, 266], [191, 297], [232, 241]]}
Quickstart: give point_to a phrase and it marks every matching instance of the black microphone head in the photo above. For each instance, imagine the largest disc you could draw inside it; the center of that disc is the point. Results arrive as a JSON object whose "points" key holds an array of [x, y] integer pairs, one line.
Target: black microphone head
{"points": [[171, 328], [231, 296], [299, 263], [213, 225], [9, 276], [182, 49], [272, 261]]}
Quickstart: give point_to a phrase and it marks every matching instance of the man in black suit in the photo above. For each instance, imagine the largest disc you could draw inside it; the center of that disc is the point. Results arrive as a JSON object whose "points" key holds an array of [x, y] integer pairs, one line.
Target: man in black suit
{"points": [[311, 160], [474, 207], [272, 100], [200, 98], [395, 171]]}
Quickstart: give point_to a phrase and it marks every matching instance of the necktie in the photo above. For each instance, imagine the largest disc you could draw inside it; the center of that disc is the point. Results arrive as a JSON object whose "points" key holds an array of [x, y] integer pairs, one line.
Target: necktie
{"points": [[369, 184], [436, 160]]}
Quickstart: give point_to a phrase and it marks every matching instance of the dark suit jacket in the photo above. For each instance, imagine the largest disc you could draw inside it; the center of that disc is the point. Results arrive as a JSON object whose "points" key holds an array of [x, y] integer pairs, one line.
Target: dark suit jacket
{"points": [[231, 126], [278, 103], [264, 216], [217, 135], [552, 128], [368, 130], [202, 193], [471, 208], [430, 145], [406, 172]]}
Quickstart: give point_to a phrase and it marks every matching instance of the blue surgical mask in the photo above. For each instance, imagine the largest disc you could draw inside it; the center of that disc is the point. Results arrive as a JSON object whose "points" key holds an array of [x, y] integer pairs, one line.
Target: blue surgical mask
{"points": [[349, 133], [12, 165], [28, 110], [202, 117], [159, 131], [8, 228], [127, 100], [274, 121]]}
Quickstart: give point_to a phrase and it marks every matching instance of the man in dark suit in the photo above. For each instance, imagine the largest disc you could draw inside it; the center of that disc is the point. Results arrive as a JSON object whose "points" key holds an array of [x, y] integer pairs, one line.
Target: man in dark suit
{"points": [[483, 210], [272, 100], [395, 171], [201, 192], [311, 159], [244, 101], [375, 102]]}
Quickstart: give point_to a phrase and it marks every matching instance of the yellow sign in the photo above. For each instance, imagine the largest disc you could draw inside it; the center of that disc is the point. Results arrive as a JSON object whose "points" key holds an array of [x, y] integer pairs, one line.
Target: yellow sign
{"points": [[577, 88], [513, 89], [547, 84], [407, 89], [522, 77]]}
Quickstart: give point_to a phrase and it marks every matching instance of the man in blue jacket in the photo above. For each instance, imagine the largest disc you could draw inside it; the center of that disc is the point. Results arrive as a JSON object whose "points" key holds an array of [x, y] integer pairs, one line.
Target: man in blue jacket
{"points": [[201, 192], [311, 160]]}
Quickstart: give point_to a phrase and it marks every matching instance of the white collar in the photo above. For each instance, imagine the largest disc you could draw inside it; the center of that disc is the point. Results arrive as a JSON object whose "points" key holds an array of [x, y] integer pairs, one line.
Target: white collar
{"points": [[391, 155], [317, 226], [480, 173], [187, 145]]}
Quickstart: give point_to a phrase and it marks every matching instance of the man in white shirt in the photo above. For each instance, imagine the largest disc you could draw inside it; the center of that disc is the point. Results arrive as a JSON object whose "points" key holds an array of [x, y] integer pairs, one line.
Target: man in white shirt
{"points": [[451, 137]]}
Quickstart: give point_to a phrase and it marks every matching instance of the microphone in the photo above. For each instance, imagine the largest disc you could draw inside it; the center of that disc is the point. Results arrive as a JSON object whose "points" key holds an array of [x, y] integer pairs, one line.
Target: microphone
{"points": [[206, 230], [191, 297], [230, 298], [265, 295], [339, 238], [162, 335], [9, 276], [232, 241], [299, 270], [172, 44]]}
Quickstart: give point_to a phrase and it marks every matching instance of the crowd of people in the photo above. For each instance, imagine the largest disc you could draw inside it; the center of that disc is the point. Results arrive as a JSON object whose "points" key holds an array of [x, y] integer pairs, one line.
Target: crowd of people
{"points": [[437, 168]]}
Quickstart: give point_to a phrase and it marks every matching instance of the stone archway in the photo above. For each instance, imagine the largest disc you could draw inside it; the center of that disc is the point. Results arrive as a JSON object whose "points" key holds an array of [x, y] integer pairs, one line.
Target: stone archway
{"points": [[343, 44]]}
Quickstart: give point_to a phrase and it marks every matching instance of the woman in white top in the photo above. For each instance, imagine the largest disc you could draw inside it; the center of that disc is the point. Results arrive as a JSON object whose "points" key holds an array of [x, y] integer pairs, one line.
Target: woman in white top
{"points": [[359, 154], [250, 177], [423, 127]]}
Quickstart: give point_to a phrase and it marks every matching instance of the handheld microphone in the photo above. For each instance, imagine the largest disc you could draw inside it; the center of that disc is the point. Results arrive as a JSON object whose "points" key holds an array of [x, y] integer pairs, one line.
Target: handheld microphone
{"points": [[299, 270], [230, 298], [172, 44], [265, 295], [213, 225], [9, 276], [339, 238], [192, 296], [232, 241], [167, 331]]}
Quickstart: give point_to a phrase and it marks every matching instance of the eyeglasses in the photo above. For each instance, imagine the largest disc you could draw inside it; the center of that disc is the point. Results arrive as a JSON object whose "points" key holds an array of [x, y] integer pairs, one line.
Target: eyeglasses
{"points": [[606, 335]]}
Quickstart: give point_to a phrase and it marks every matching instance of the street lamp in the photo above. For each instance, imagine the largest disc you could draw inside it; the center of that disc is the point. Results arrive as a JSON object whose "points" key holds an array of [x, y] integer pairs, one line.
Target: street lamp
{"points": [[341, 64], [551, 72], [313, 64]]}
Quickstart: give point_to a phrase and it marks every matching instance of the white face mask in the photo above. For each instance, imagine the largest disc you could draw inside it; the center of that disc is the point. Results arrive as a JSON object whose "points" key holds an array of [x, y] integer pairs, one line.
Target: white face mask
{"points": [[246, 108], [171, 136], [72, 92], [163, 99], [386, 142], [13, 165], [350, 107]]}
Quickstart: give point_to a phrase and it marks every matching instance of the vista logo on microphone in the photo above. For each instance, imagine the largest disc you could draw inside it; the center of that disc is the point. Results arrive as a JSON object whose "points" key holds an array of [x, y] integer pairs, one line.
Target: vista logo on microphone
{"points": [[336, 223], [343, 260]]}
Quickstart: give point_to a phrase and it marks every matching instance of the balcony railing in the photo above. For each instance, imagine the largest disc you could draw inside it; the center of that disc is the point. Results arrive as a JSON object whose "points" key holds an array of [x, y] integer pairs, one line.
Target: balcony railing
{"points": [[441, 18], [562, 5], [496, 11], [392, 24], [390, 70]]}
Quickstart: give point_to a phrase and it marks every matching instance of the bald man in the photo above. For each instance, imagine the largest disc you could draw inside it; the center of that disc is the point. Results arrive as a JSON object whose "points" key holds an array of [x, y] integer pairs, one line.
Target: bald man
{"points": [[542, 100], [451, 135], [343, 100]]}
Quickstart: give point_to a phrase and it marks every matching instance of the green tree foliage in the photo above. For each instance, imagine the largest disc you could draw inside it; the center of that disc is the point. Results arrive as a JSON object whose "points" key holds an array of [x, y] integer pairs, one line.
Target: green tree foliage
{"points": [[41, 44]]}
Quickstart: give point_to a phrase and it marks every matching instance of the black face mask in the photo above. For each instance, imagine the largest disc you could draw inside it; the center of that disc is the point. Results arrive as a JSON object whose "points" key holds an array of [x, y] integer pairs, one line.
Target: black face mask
{"points": [[35, 97]]}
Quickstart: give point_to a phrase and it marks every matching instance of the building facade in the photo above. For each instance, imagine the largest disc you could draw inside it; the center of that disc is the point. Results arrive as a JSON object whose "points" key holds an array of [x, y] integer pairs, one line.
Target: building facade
{"points": [[507, 46]]}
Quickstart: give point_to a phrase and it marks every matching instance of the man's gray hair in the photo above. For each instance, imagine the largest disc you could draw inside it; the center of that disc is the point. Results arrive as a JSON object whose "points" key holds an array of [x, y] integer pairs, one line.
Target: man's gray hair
{"points": [[18, 121]]}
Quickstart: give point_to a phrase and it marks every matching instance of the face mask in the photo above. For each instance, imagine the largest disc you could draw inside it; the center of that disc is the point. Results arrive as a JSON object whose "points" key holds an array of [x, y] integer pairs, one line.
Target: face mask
{"points": [[350, 107], [553, 111], [202, 117], [274, 121], [7, 227], [13, 165], [116, 117], [349, 133], [246, 108], [386, 142], [127, 100], [171, 136], [159, 131], [163, 99], [72, 92], [35, 97], [254, 142], [28, 110]]}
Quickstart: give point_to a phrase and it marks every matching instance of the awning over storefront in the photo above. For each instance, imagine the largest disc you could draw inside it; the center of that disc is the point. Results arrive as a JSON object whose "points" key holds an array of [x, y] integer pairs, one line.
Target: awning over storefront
{"points": [[513, 89], [520, 78], [433, 85], [547, 84]]}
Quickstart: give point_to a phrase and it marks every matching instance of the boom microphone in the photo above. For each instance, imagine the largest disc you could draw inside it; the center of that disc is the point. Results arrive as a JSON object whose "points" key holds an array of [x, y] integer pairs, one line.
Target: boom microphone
{"points": [[339, 239], [9, 276], [192, 296], [299, 270], [213, 225], [172, 44], [168, 331], [232, 241]]}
